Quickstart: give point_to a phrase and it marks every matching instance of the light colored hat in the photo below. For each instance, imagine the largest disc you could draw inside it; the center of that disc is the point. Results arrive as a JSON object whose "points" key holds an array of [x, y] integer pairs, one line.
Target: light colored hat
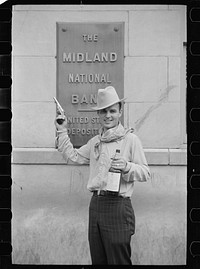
{"points": [[107, 97]]}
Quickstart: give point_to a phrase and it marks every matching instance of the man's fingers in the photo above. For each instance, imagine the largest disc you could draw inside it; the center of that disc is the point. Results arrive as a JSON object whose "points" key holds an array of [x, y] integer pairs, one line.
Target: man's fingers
{"points": [[119, 164], [61, 117]]}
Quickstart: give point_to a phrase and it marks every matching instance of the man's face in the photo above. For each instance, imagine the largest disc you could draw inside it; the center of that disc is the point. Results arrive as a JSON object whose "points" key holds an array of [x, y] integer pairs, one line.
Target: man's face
{"points": [[109, 117]]}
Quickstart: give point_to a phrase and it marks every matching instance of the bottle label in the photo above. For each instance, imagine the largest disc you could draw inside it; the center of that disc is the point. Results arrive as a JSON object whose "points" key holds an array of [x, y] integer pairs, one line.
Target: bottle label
{"points": [[113, 181]]}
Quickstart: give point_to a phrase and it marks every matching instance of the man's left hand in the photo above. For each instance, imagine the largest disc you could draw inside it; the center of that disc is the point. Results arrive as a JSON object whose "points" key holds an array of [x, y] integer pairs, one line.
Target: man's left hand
{"points": [[119, 163]]}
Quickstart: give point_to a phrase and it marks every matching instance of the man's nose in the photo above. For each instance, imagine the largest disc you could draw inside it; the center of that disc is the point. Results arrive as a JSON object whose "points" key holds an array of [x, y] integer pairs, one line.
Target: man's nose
{"points": [[107, 114]]}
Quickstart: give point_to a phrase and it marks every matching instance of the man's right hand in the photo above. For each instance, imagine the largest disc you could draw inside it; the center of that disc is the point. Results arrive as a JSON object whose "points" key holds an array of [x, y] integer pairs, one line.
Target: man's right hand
{"points": [[63, 126]]}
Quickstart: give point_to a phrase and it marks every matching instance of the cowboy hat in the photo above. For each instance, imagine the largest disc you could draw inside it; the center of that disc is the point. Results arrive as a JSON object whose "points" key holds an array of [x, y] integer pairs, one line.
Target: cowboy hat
{"points": [[107, 97]]}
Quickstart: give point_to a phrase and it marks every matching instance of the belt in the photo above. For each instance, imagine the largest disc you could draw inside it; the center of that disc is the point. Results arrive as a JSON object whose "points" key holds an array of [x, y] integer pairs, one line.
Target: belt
{"points": [[106, 193]]}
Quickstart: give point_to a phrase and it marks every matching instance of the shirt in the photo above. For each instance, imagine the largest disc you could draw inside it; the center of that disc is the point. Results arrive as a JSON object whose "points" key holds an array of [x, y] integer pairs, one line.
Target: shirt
{"points": [[130, 148]]}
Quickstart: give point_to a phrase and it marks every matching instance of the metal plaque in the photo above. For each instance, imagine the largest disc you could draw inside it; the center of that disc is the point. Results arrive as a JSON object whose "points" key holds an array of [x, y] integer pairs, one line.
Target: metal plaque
{"points": [[90, 56]]}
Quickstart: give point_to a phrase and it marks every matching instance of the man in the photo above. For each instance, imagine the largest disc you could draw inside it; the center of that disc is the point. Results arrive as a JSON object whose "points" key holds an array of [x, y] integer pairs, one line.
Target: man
{"points": [[111, 216]]}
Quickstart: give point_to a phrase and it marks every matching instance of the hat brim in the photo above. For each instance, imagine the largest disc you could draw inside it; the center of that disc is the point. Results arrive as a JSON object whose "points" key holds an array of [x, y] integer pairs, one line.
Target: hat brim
{"points": [[111, 104]]}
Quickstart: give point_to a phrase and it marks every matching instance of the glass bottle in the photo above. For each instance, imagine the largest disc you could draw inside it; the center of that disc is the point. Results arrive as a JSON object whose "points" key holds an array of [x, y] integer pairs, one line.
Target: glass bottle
{"points": [[113, 182]]}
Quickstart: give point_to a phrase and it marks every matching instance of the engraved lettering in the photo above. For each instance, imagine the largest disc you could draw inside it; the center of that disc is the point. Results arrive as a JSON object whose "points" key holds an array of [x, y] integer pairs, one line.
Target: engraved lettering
{"points": [[96, 78], [77, 80], [95, 120], [82, 120], [80, 57], [93, 98], [88, 58], [108, 78], [103, 78], [73, 57], [83, 131], [91, 78], [71, 78], [91, 37], [104, 57], [67, 58], [75, 98], [88, 131], [81, 77], [113, 57], [84, 99], [95, 37], [84, 37], [96, 58]]}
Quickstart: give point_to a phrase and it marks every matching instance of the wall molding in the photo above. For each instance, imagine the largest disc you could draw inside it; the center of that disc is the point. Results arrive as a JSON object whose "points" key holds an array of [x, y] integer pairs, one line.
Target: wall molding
{"points": [[52, 156]]}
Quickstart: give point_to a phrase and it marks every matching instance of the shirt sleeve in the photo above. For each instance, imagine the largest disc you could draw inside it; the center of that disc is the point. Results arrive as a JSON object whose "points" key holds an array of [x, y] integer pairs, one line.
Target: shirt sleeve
{"points": [[138, 169], [80, 156]]}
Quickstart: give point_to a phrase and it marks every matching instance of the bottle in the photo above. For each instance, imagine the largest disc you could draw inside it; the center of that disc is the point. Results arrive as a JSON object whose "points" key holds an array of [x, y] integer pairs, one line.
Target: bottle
{"points": [[113, 182]]}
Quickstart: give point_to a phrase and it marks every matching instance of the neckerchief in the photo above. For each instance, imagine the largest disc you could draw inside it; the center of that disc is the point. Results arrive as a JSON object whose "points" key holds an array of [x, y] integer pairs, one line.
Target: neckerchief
{"points": [[114, 134]]}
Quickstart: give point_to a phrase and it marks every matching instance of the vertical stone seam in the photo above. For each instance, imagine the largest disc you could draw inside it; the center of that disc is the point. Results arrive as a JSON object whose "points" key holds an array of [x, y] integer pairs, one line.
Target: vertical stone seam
{"points": [[169, 156], [128, 33], [168, 76]]}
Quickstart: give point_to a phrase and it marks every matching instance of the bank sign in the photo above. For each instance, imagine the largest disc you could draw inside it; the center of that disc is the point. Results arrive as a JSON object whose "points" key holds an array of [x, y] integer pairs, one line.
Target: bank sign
{"points": [[90, 56]]}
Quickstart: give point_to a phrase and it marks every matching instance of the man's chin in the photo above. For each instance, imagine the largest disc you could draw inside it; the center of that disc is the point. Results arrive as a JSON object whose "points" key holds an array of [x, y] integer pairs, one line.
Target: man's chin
{"points": [[108, 126]]}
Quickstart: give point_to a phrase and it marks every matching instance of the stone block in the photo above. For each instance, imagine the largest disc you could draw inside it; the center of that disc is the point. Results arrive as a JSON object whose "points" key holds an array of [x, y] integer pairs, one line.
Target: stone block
{"points": [[150, 7], [37, 156], [179, 7], [145, 78], [33, 124], [157, 156], [52, 156], [174, 79], [125, 114], [157, 124], [34, 78], [154, 33], [178, 156], [34, 32], [89, 7]]}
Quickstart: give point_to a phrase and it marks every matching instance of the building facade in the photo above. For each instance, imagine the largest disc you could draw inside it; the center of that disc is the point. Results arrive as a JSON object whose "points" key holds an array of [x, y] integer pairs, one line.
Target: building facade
{"points": [[49, 198]]}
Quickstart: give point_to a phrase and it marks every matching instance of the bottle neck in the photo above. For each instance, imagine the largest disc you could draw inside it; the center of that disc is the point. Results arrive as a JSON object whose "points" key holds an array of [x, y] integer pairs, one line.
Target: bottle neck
{"points": [[116, 156]]}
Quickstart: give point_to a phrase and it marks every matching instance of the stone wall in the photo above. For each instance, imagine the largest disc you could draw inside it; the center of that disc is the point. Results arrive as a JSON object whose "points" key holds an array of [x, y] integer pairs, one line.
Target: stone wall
{"points": [[153, 76]]}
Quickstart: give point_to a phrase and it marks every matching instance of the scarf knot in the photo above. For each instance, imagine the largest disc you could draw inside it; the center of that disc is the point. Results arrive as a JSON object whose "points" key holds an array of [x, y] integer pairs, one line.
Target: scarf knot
{"points": [[114, 134]]}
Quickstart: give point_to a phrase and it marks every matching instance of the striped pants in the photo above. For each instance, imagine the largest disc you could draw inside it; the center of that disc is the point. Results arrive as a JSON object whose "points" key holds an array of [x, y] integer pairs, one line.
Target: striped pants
{"points": [[111, 225]]}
